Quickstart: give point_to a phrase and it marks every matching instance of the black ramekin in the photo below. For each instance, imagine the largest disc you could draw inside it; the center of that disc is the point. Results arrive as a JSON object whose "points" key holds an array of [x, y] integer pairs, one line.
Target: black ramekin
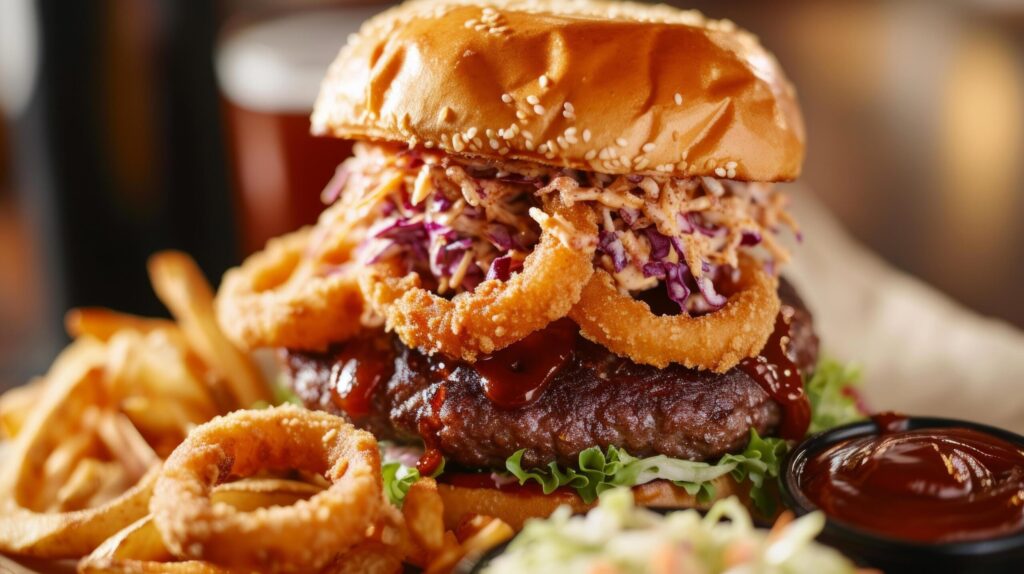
{"points": [[995, 555]]}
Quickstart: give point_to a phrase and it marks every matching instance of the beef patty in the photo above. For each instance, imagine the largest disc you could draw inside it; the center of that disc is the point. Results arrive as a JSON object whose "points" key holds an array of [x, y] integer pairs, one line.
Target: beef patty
{"points": [[595, 398]]}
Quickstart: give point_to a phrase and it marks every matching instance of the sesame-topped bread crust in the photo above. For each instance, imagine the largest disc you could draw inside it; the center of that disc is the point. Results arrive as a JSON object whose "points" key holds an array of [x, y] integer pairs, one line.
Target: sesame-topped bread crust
{"points": [[598, 86]]}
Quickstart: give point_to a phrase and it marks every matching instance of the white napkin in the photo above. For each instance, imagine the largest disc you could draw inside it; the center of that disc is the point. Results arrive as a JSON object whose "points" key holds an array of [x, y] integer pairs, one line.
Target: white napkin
{"points": [[920, 352]]}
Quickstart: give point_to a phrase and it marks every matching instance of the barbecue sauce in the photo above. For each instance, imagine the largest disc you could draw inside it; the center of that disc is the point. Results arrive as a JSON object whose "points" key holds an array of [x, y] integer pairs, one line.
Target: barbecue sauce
{"points": [[359, 368], [926, 485], [518, 374], [779, 376], [429, 427]]}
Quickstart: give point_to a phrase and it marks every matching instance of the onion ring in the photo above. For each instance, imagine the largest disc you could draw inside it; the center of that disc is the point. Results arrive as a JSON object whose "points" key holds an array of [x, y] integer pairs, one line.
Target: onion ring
{"points": [[717, 341], [302, 537], [497, 313], [279, 297]]}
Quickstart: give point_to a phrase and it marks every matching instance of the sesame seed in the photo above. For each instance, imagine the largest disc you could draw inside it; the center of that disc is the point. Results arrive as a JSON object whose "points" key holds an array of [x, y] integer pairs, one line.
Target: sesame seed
{"points": [[478, 142], [679, 99], [562, 142], [521, 114], [494, 143], [471, 22], [731, 165], [570, 131], [471, 133], [621, 142], [507, 98], [532, 100], [457, 142], [544, 81], [720, 172], [542, 148], [569, 107], [731, 174], [428, 144], [539, 110], [503, 151], [528, 134], [489, 133], [446, 114], [648, 147], [586, 135], [529, 145], [590, 155]]}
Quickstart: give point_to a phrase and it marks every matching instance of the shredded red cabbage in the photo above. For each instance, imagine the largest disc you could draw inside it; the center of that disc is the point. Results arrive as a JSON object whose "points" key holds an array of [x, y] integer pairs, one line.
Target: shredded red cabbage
{"points": [[609, 243]]}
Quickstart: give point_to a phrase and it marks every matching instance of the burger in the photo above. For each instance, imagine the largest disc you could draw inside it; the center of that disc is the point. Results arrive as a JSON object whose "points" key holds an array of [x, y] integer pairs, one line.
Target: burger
{"points": [[551, 266]]}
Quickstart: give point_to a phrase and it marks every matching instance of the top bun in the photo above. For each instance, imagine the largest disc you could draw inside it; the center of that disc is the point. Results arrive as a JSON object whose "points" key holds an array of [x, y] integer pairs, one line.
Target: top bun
{"points": [[611, 87]]}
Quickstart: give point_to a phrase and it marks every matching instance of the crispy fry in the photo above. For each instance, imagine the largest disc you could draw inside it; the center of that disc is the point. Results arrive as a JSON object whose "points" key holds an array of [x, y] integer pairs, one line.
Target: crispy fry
{"points": [[103, 324], [15, 406], [424, 516], [182, 287], [488, 532], [126, 445], [73, 388], [90, 484]]}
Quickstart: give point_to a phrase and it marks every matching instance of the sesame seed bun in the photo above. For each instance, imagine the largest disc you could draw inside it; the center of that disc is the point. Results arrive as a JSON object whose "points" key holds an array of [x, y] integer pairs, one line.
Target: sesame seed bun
{"points": [[591, 85]]}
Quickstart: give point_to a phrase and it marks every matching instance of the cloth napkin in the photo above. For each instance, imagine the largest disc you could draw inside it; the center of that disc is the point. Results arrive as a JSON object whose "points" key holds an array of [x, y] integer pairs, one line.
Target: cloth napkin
{"points": [[920, 352]]}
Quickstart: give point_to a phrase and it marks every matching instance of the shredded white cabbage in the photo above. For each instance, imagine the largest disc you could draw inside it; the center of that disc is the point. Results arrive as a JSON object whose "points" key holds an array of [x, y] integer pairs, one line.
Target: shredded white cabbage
{"points": [[619, 538]]}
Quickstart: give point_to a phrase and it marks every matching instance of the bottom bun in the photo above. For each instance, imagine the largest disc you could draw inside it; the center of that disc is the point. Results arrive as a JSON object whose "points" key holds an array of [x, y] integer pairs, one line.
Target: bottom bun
{"points": [[517, 506]]}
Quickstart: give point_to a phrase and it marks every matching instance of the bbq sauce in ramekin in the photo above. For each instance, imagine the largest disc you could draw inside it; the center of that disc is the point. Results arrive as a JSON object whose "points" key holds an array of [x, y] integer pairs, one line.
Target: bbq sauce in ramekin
{"points": [[928, 485]]}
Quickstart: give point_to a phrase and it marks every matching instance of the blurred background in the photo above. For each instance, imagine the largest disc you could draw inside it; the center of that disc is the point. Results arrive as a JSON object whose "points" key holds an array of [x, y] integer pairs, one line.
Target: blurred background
{"points": [[129, 126]]}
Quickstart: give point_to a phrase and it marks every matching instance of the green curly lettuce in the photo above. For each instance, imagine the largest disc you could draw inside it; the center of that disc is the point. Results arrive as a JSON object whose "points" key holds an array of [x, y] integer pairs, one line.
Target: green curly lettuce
{"points": [[398, 479], [829, 391], [599, 471]]}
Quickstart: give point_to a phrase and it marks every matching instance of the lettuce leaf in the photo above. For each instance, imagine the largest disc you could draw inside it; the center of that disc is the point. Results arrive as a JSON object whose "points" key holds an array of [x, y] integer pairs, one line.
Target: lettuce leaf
{"points": [[599, 471], [398, 479], [832, 394]]}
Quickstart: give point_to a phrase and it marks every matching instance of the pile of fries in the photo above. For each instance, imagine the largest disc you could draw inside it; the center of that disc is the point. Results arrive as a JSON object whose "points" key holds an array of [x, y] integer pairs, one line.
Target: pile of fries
{"points": [[82, 446]]}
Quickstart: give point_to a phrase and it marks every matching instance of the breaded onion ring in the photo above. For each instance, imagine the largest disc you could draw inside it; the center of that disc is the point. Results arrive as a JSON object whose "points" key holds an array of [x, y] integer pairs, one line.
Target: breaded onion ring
{"points": [[497, 313], [302, 537], [281, 296], [717, 341]]}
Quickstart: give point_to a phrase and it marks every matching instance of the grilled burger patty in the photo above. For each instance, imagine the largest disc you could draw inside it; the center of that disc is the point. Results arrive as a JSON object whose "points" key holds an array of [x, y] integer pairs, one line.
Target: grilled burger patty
{"points": [[595, 398]]}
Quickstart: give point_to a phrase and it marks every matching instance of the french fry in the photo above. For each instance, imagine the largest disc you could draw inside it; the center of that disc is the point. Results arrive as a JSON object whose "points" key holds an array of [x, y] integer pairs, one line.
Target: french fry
{"points": [[92, 481], [126, 445], [16, 404], [487, 532], [139, 548], [103, 324], [183, 289], [155, 366], [424, 516], [74, 386]]}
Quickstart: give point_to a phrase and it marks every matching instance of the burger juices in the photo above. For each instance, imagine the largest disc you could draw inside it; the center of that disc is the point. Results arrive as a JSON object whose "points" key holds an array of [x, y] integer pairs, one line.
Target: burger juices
{"points": [[551, 266]]}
